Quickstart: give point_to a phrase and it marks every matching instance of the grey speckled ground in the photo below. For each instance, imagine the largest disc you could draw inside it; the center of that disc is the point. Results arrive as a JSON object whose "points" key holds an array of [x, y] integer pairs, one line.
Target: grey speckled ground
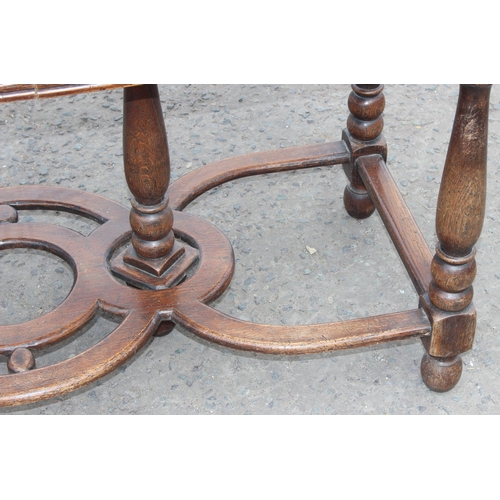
{"points": [[76, 142]]}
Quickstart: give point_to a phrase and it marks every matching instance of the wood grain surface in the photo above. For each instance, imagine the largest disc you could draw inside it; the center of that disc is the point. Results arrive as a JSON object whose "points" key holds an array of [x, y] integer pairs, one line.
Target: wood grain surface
{"points": [[22, 91]]}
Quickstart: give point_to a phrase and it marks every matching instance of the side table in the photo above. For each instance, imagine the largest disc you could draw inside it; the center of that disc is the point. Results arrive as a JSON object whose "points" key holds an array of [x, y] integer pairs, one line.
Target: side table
{"points": [[154, 266]]}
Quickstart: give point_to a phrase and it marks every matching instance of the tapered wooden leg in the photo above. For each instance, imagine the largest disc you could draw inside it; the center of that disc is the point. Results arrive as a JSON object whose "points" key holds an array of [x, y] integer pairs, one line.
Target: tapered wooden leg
{"points": [[459, 221], [147, 170], [154, 259], [363, 137]]}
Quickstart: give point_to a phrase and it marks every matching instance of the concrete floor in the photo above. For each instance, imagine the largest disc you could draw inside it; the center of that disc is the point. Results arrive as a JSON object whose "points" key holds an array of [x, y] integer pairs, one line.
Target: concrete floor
{"points": [[76, 142]]}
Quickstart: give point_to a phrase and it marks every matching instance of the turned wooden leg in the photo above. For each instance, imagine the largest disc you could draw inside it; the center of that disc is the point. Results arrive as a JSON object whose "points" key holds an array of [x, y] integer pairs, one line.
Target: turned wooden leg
{"points": [[363, 136], [164, 328], [147, 170], [154, 259], [459, 221]]}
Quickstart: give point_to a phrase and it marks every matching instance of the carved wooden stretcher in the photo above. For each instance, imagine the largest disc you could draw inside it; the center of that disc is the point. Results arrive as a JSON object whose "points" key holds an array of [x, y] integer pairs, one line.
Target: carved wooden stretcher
{"points": [[174, 264]]}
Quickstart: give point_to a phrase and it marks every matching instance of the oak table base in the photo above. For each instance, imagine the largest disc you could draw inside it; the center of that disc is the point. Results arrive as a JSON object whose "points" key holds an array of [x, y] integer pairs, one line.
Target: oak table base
{"points": [[154, 266]]}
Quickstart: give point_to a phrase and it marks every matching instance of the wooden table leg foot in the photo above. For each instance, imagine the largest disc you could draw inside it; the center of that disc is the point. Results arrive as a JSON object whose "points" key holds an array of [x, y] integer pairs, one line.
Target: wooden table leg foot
{"points": [[152, 255], [164, 328], [357, 202], [441, 374]]}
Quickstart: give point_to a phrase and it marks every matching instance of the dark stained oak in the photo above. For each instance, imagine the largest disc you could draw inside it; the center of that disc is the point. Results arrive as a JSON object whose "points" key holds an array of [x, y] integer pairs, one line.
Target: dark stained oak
{"points": [[21, 92], [305, 339], [192, 185], [142, 312], [441, 374], [153, 266], [459, 221], [147, 171], [154, 259], [21, 360], [363, 137], [398, 220]]}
